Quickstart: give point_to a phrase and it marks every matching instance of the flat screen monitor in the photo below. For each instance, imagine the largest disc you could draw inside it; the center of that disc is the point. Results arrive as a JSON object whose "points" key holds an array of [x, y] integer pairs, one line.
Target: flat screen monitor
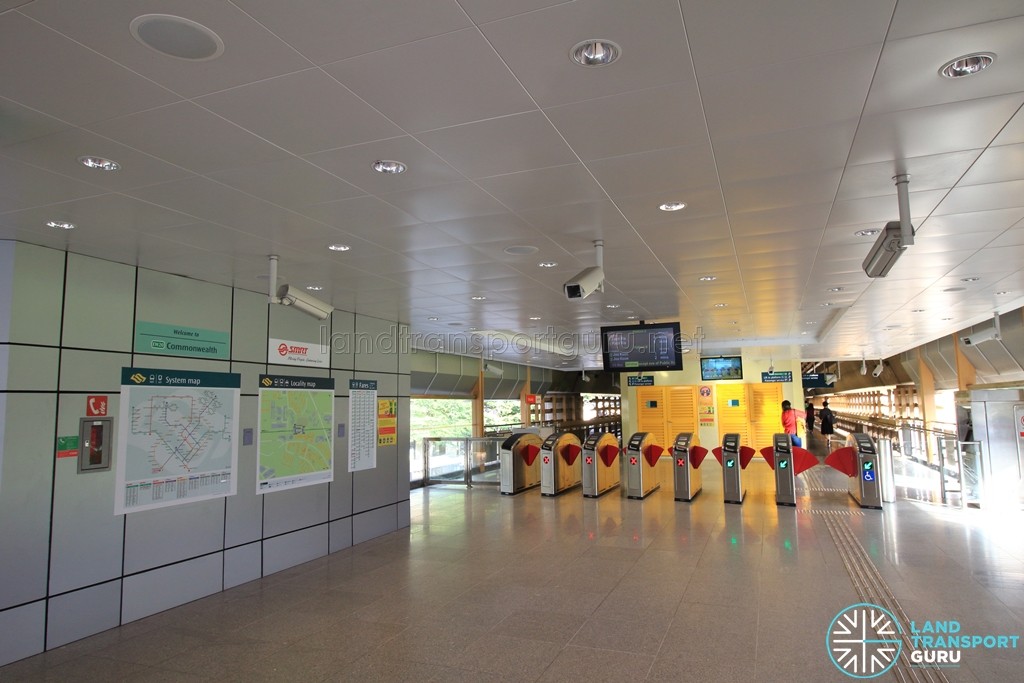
{"points": [[721, 367], [642, 348]]}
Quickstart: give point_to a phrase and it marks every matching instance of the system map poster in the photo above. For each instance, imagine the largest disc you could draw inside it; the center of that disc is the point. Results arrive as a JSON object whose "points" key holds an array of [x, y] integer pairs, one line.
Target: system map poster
{"points": [[295, 446], [178, 437]]}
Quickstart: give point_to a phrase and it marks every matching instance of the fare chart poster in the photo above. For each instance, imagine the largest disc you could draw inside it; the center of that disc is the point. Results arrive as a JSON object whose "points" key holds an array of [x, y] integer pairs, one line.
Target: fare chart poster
{"points": [[362, 420], [178, 438]]}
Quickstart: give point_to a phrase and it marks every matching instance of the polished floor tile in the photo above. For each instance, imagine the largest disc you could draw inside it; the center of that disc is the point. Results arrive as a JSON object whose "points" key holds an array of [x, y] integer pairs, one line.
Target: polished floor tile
{"points": [[490, 588]]}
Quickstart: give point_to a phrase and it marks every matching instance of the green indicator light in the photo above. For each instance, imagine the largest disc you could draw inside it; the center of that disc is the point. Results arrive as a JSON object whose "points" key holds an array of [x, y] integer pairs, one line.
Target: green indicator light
{"points": [[788, 544], [869, 465], [733, 540], [783, 464], [729, 462]]}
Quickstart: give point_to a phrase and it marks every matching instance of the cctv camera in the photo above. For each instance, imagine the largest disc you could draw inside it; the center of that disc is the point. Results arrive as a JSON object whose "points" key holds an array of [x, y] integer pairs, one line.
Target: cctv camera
{"points": [[990, 334], [863, 367], [308, 304], [585, 283], [879, 369], [494, 369]]}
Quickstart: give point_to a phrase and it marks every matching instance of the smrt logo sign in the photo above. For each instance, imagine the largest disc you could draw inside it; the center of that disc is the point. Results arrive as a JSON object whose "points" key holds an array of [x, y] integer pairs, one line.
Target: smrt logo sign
{"points": [[284, 350]]}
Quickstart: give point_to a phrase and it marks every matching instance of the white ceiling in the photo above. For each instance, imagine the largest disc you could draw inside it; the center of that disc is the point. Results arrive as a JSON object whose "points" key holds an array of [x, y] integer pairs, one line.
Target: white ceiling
{"points": [[779, 122]]}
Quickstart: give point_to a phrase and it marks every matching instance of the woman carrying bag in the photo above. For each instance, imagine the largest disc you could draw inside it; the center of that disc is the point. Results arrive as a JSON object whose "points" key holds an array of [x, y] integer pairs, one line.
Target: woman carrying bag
{"points": [[789, 423]]}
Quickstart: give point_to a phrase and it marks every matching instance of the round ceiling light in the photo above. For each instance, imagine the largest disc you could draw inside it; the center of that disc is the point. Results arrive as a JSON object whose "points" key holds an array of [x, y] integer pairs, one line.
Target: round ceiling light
{"points": [[721, 305], [836, 289], [673, 206], [968, 65], [338, 247], [598, 52], [314, 288], [61, 225], [969, 279], [534, 317], [521, 250], [99, 163], [870, 232], [478, 298], [707, 278], [548, 264], [433, 317], [176, 37], [611, 305], [389, 167]]}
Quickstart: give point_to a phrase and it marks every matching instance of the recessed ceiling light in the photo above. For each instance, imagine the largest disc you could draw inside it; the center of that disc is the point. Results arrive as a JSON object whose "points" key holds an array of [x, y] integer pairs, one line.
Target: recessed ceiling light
{"points": [[611, 305], [810, 322], [673, 206], [389, 167], [534, 317], [433, 317], [721, 305], [707, 278], [596, 52], [968, 65], [837, 289], [314, 288], [99, 163], [827, 304], [632, 317], [917, 310], [478, 298], [969, 279], [473, 329], [869, 232], [1003, 293], [176, 37], [521, 250], [548, 264], [338, 247], [62, 225]]}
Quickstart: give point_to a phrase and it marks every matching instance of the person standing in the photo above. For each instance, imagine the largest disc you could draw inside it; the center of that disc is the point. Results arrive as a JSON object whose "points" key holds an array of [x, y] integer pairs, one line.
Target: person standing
{"points": [[789, 422], [827, 423], [809, 417]]}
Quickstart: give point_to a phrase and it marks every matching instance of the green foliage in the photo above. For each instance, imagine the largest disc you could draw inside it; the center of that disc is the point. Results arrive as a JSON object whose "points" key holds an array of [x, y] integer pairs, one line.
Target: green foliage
{"points": [[443, 417]]}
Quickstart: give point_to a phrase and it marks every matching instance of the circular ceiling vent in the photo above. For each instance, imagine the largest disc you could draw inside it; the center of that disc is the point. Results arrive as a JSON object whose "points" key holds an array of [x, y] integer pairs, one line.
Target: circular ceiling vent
{"points": [[177, 37]]}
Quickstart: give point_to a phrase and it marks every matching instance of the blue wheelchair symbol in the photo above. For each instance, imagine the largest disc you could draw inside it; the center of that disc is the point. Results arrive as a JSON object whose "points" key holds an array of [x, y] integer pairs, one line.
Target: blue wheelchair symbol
{"points": [[869, 476]]}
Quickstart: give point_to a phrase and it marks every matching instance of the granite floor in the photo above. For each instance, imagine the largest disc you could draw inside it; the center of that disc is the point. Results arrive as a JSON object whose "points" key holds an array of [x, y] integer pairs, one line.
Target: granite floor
{"points": [[485, 587]]}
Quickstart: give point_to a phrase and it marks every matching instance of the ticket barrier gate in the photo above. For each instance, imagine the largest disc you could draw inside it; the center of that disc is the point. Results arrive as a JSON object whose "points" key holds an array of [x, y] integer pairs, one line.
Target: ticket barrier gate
{"points": [[640, 459], [788, 461], [859, 461], [517, 463], [733, 458], [686, 472], [600, 473], [560, 468]]}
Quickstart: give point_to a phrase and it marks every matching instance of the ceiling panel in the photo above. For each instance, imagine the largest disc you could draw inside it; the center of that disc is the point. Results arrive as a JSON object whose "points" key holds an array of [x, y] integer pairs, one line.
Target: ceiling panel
{"points": [[60, 77], [436, 82], [655, 40], [501, 145], [251, 51], [333, 117], [508, 143]]}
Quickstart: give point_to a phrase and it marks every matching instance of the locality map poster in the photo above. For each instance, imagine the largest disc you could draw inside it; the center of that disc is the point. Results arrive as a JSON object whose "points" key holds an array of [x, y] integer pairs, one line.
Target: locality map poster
{"points": [[295, 445], [178, 437]]}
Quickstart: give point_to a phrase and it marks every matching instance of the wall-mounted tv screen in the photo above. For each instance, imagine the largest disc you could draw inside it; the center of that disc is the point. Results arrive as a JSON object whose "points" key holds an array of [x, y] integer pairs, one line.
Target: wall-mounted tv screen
{"points": [[721, 367], [642, 348]]}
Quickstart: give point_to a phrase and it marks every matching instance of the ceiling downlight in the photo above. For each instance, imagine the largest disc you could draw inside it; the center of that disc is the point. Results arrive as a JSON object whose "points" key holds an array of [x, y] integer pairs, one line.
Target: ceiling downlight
{"points": [[99, 163], [60, 225], [389, 167], [968, 65], [595, 52]]}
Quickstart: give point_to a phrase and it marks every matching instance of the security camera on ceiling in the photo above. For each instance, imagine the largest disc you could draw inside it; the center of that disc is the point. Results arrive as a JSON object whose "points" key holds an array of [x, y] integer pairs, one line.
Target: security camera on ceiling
{"points": [[493, 369], [588, 280], [895, 237], [879, 369], [302, 301], [988, 334], [975, 338], [286, 295], [863, 367]]}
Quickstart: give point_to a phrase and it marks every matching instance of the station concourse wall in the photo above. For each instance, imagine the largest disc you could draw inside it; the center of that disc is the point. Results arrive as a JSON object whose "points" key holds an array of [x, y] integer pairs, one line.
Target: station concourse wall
{"points": [[70, 567], [753, 365]]}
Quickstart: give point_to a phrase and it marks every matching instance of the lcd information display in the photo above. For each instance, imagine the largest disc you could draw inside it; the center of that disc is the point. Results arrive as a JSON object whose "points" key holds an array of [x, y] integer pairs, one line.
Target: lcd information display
{"points": [[642, 348], [721, 367]]}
